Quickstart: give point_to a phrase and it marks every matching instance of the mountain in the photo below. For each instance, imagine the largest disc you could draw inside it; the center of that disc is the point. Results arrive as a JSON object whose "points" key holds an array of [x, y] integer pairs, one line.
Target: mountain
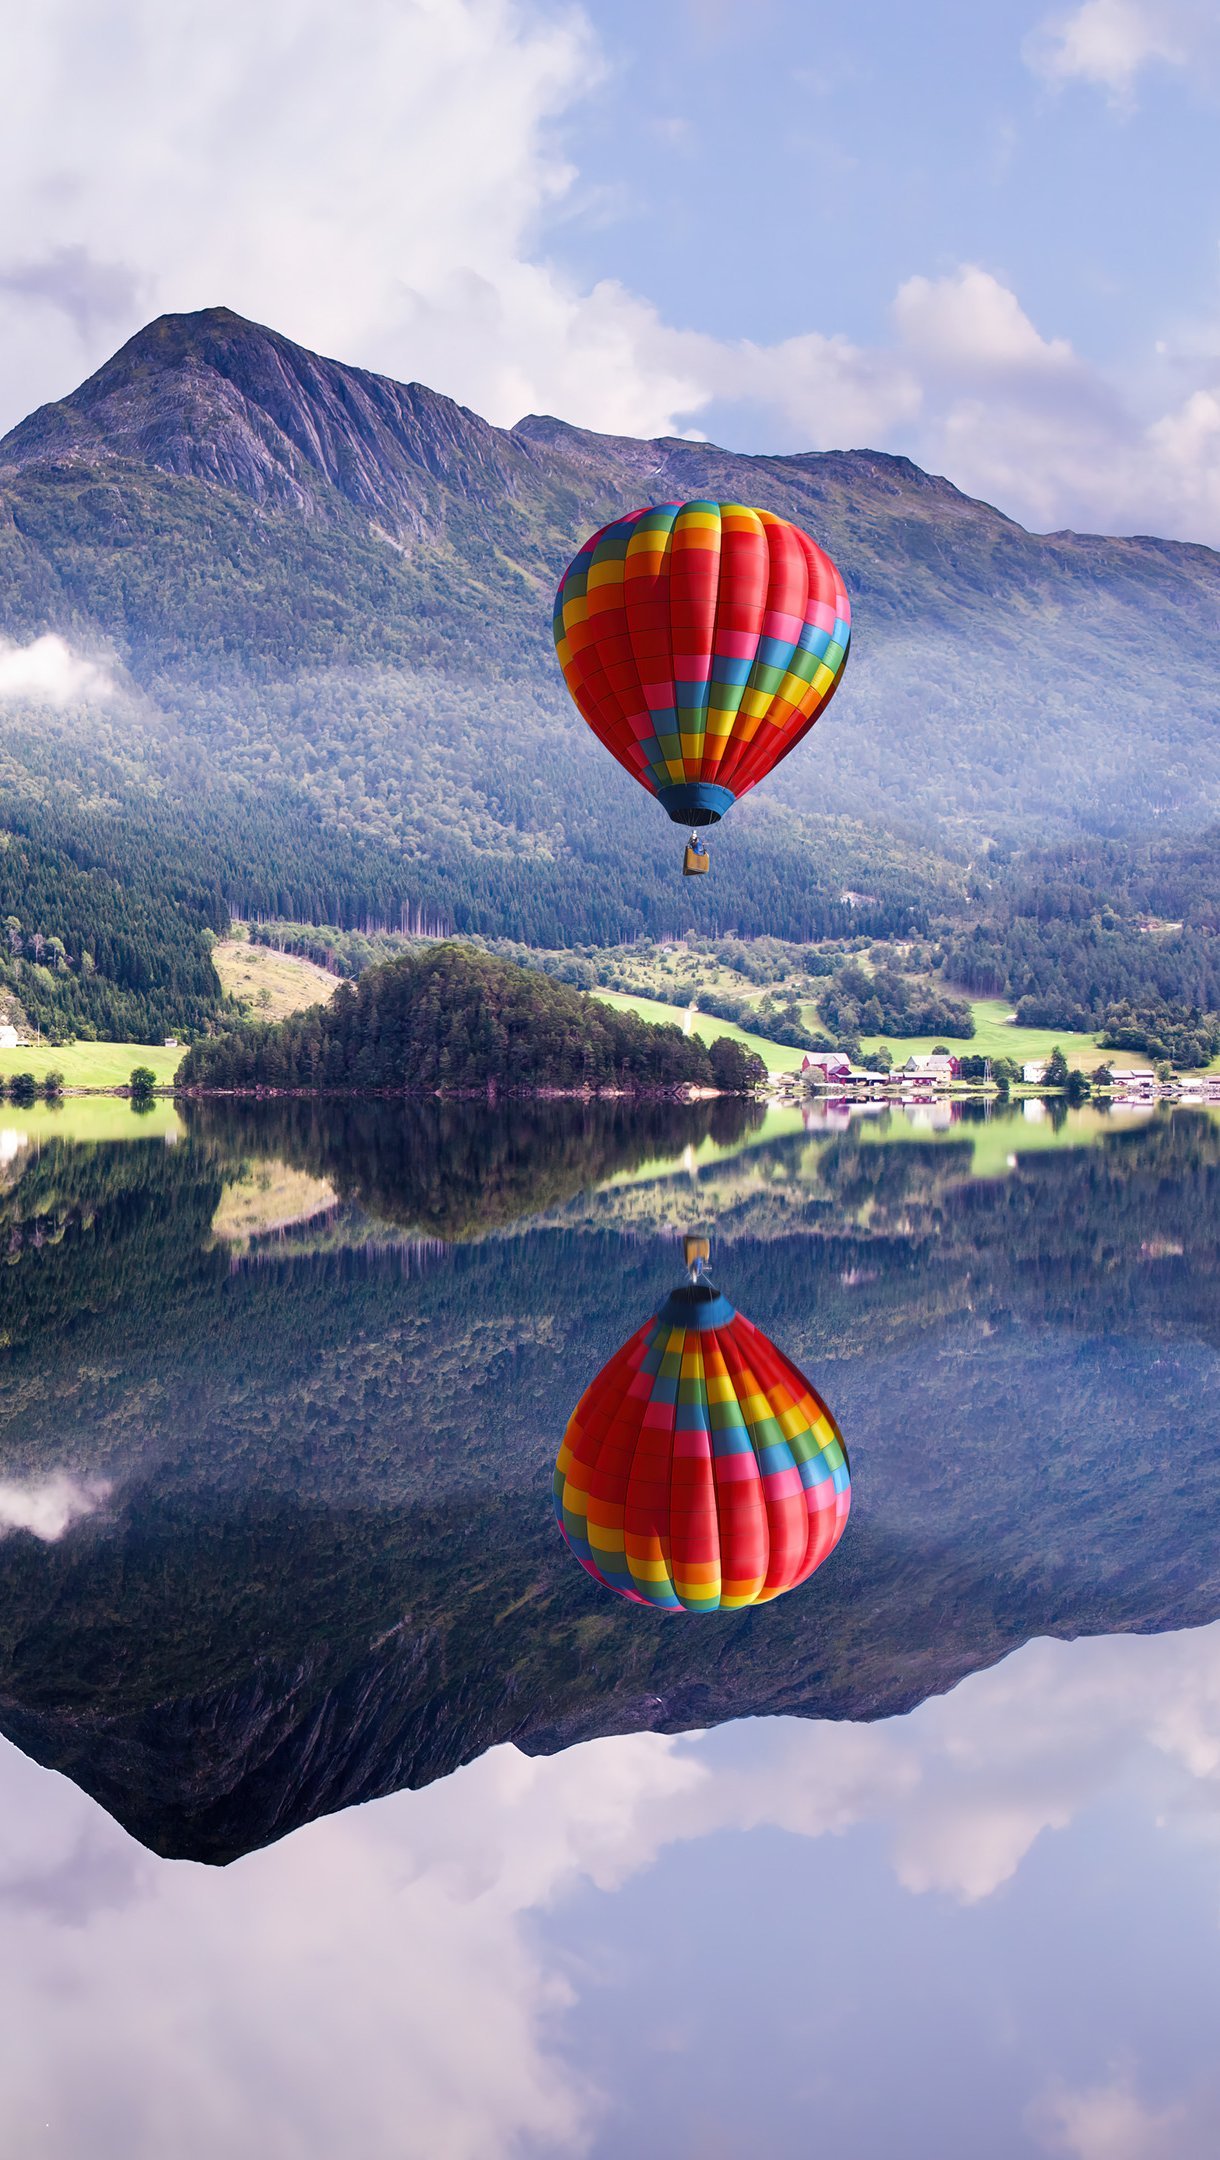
{"points": [[326, 596]]}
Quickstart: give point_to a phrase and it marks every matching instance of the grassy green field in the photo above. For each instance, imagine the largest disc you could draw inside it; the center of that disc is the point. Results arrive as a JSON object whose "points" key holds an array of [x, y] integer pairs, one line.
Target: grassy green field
{"points": [[91, 1064], [994, 1036], [86, 1118], [777, 1057]]}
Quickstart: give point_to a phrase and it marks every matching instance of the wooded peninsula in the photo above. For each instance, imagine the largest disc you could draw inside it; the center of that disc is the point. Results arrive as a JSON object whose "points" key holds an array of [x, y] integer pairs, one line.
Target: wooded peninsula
{"points": [[454, 1020]]}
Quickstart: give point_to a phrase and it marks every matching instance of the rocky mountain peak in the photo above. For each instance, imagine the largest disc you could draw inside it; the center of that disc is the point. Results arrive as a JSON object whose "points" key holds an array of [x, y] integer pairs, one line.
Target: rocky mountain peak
{"points": [[214, 397]]}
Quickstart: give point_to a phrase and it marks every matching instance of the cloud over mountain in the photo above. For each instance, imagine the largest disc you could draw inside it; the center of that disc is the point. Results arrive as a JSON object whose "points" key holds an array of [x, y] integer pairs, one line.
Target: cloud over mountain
{"points": [[391, 201]]}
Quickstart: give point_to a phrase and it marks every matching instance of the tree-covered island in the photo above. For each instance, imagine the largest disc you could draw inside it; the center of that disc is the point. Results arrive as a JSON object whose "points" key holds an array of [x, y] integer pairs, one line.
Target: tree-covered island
{"points": [[457, 1021]]}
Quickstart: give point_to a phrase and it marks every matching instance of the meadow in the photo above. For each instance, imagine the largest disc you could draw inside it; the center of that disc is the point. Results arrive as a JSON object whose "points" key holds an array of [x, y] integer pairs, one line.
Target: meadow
{"points": [[91, 1064], [777, 1057], [267, 984], [994, 1035]]}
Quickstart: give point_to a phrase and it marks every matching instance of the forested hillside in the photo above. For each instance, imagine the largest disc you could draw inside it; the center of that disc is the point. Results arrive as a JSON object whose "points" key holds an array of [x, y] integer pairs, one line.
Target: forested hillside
{"points": [[456, 1020], [325, 600]]}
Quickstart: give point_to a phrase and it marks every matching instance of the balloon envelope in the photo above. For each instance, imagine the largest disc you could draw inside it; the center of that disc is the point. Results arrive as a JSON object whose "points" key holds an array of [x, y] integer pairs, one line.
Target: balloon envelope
{"points": [[700, 641], [700, 1471]]}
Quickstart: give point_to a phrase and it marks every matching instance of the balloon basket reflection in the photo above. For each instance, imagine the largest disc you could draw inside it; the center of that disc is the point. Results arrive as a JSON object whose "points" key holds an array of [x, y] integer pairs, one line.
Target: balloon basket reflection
{"points": [[700, 1471]]}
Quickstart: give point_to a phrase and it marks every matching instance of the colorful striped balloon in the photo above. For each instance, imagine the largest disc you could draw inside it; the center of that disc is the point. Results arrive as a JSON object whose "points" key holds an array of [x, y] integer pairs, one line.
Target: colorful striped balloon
{"points": [[700, 1472], [701, 641]]}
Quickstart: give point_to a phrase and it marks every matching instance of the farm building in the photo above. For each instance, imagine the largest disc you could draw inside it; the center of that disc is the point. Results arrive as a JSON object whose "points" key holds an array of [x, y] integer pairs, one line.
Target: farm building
{"points": [[936, 1066], [827, 1065]]}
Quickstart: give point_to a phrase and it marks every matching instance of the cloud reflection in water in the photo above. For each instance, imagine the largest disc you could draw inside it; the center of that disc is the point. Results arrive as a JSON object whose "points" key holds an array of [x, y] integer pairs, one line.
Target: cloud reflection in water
{"points": [[467, 1971]]}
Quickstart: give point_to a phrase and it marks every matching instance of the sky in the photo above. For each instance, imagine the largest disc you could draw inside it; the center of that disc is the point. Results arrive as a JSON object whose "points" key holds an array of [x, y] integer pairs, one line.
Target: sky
{"points": [[985, 237], [711, 1944]]}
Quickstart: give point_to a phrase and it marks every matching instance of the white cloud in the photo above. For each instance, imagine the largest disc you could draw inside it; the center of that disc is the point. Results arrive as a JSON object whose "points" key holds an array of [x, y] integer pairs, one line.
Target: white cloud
{"points": [[368, 180], [824, 393], [971, 325], [50, 1506], [1110, 42], [376, 182], [1023, 421], [48, 672], [1111, 2122]]}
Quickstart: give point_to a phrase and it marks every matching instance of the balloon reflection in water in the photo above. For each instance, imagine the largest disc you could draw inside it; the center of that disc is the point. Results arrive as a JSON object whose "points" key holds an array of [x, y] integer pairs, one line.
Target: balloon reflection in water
{"points": [[700, 1471]]}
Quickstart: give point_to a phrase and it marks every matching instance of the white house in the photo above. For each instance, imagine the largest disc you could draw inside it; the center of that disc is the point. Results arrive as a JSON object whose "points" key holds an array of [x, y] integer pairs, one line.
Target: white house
{"points": [[8, 1037], [1034, 1073], [1130, 1077]]}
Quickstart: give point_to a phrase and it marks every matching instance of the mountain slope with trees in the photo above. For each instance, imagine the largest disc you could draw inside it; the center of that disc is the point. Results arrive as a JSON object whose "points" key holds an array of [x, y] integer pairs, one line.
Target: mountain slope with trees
{"points": [[326, 600]]}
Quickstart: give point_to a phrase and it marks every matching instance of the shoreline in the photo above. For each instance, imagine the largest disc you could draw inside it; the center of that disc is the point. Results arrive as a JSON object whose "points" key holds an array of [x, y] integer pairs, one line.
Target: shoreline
{"points": [[490, 1094]]}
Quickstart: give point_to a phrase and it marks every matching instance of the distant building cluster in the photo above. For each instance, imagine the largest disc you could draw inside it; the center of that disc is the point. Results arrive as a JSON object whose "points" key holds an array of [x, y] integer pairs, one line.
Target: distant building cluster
{"points": [[933, 1069], [938, 1070]]}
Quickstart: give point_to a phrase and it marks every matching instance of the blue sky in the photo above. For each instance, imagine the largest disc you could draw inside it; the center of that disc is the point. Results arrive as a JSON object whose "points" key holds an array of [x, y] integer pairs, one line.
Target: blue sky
{"points": [[773, 167], [984, 236]]}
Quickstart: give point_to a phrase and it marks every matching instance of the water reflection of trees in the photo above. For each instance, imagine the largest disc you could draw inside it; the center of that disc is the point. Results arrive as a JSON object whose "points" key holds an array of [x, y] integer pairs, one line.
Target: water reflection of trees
{"points": [[456, 1170]]}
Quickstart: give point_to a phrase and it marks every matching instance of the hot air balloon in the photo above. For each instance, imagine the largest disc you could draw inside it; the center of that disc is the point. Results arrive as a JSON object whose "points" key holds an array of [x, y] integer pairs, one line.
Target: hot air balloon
{"points": [[700, 1471], [700, 642]]}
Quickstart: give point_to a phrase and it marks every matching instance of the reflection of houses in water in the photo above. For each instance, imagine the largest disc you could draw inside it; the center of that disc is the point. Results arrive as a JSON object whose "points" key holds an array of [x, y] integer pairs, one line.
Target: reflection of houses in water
{"points": [[1200, 1088], [824, 1115], [934, 1116], [827, 1115]]}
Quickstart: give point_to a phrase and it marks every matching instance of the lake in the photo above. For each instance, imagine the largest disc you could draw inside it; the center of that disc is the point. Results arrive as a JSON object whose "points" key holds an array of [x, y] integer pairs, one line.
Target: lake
{"points": [[341, 1811]]}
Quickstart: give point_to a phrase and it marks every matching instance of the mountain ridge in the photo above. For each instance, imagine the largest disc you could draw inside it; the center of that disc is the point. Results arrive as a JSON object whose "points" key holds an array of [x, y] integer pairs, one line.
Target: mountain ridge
{"points": [[334, 592], [284, 405], [366, 434]]}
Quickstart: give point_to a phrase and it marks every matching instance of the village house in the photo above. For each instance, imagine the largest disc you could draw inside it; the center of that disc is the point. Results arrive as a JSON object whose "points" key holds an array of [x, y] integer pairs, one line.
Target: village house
{"points": [[1127, 1079], [936, 1067], [826, 1065]]}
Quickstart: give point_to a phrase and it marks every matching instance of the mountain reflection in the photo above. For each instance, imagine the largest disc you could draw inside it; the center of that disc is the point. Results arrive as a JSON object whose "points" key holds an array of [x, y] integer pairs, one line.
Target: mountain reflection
{"points": [[318, 1559]]}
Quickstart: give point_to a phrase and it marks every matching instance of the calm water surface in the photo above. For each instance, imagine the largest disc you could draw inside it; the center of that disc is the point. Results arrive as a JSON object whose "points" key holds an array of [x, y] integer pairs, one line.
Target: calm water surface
{"points": [[922, 1859]]}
